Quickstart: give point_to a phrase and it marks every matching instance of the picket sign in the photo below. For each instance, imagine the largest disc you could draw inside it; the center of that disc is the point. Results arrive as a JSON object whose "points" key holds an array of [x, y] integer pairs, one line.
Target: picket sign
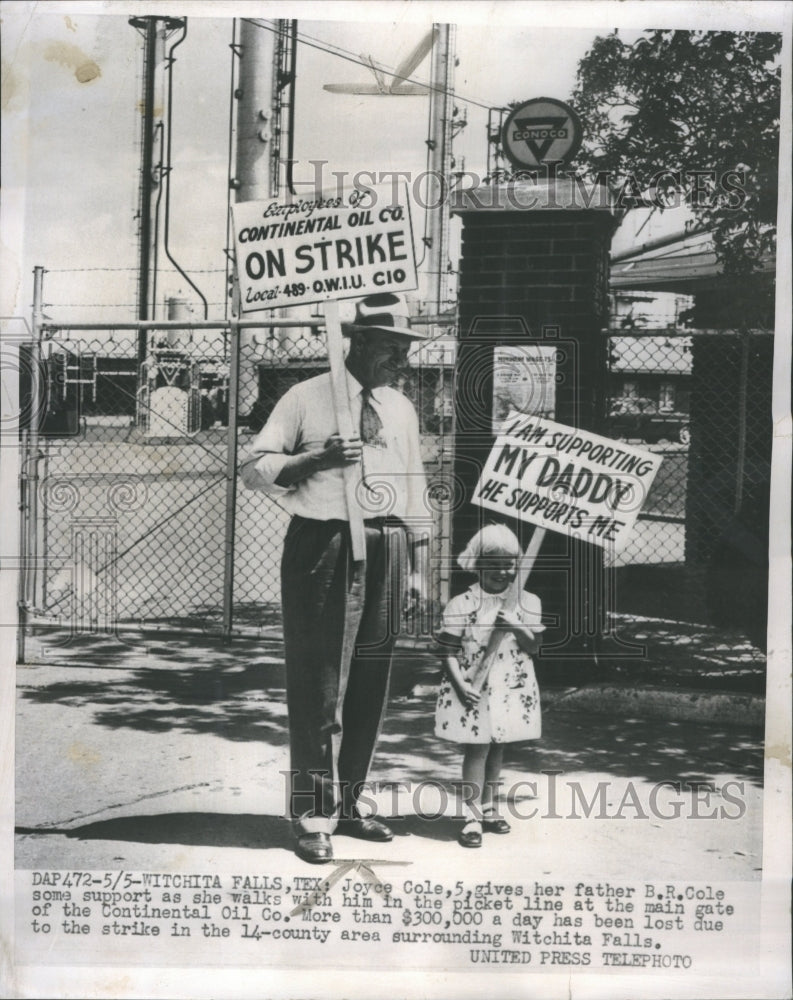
{"points": [[280, 263], [341, 404], [586, 486], [509, 602]]}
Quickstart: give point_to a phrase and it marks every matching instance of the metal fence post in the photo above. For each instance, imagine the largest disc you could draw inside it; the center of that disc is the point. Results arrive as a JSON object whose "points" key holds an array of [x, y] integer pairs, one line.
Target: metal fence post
{"points": [[24, 539], [37, 400], [231, 480], [29, 536]]}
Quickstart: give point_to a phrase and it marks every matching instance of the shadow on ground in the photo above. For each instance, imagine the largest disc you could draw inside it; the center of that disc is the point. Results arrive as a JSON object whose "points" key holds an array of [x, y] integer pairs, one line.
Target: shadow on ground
{"points": [[235, 830], [237, 693], [196, 685], [653, 750], [192, 829]]}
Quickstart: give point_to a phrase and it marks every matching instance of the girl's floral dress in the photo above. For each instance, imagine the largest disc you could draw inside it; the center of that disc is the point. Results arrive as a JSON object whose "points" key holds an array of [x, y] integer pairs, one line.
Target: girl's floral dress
{"points": [[509, 709]]}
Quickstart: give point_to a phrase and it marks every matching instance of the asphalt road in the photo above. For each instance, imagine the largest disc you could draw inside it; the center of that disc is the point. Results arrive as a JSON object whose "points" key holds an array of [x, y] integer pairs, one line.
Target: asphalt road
{"points": [[172, 759]]}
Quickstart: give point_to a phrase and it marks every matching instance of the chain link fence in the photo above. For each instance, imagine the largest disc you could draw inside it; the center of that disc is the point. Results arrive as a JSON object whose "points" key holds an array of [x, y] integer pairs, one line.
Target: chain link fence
{"points": [[136, 522], [648, 402], [133, 450], [271, 361], [698, 554], [133, 522]]}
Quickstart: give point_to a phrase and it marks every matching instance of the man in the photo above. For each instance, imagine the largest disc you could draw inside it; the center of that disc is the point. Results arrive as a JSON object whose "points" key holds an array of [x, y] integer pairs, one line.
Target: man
{"points": [[340, 617]]}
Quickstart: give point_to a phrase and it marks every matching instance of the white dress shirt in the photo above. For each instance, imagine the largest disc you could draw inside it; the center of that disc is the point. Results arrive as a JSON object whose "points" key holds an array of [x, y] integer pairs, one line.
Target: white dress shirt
{"points": [[392, 480]]}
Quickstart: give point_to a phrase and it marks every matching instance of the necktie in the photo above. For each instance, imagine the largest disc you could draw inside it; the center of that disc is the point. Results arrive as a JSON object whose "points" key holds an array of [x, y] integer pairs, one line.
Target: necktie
{"points": [[371, 424]]}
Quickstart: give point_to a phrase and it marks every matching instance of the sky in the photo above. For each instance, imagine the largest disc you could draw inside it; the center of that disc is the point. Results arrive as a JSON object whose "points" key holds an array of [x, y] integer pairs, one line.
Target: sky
{"points": [[72, 104]]}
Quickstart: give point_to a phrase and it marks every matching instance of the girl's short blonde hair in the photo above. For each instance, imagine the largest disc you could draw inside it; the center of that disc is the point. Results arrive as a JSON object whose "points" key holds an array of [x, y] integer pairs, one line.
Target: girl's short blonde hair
{"points": [[491, 539]]}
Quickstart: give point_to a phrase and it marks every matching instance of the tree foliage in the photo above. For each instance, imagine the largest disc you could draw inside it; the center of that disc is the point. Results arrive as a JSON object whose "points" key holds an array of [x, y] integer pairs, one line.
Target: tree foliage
{"points": [[684, 101]]}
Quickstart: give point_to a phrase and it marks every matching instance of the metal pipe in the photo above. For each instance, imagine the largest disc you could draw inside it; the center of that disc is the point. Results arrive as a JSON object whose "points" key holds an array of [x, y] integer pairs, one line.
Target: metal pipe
{"points": [[156, 235], [217, 324], [440, 121], [171, 59], [682, 333], [662, 241], [243, 324], [252, 181], [231, 481], [38, 401], [146, 167], [290, 147], [22, 604], [154, 30], [29, 456], [255, 179], [232, 89]]}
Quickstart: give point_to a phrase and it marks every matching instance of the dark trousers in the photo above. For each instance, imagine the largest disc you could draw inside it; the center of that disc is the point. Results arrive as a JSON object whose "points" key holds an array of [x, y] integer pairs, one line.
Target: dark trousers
{"points": [[340, 624]]}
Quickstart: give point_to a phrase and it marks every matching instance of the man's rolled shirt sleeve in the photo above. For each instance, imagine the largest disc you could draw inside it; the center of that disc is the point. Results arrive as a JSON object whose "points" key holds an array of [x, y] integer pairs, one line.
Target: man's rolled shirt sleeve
{"points": [[274, 445]]}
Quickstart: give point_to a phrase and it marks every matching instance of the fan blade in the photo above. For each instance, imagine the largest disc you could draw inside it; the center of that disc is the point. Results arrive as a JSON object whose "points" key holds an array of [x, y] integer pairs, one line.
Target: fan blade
{"points": [[407, 66], [369, 89], [409, 90], [352, 88]]}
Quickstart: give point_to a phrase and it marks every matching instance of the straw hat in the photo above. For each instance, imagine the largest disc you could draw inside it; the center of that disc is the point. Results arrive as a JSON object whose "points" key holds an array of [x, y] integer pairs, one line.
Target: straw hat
{"points": [[384, 311]]}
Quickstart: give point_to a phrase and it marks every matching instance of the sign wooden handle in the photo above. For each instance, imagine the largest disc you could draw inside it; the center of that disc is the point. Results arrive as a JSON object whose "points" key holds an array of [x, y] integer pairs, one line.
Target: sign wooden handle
{"points": [[341, 404], [509, 603], [525, 566]]}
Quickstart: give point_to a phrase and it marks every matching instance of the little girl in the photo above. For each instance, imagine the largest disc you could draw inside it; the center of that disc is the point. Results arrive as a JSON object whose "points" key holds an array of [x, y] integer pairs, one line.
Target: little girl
{"points": [[507, 708]]}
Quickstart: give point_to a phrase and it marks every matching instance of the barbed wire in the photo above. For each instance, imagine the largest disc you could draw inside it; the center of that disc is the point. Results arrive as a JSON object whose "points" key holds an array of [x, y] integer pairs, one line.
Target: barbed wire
{"points": [[102, 305], [131, 269], [78, 270]]}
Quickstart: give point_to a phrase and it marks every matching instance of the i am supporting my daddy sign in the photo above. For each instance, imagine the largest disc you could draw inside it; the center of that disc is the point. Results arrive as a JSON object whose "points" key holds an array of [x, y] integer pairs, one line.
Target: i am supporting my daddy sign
{"points": [[567, 480]]}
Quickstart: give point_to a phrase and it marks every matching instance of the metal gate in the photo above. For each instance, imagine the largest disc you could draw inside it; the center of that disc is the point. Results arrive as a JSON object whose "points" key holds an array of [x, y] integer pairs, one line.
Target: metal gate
{"points": [[133, 519], [694, 573]]}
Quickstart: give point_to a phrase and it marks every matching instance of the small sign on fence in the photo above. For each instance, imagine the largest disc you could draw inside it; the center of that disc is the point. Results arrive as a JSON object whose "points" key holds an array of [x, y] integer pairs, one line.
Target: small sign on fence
{"points": [[567, 480], [524, 381], [313, 250]]}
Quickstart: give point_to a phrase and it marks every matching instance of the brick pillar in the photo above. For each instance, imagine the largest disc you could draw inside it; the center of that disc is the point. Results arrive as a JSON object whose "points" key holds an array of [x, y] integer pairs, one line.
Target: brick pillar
{"points": [[535, 269]]}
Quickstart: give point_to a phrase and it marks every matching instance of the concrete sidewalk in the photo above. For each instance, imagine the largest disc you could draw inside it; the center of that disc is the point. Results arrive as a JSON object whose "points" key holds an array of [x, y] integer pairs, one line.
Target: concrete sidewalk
{"points": [[171, 757]]}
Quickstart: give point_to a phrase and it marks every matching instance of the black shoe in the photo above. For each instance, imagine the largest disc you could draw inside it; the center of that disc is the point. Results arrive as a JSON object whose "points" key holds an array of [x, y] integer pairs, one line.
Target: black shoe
{"points": [[365, 828], [470, 835], [495, 824], [315, 848]]}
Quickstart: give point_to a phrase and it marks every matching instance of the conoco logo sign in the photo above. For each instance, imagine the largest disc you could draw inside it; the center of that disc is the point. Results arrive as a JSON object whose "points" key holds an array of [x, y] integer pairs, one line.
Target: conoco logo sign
{"points": [[540, 131]]}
